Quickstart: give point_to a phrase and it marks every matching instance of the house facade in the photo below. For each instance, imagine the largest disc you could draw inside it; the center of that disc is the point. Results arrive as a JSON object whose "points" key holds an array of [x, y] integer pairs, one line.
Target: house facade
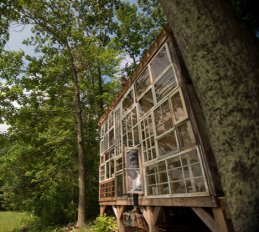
{"points": [[154, 145]]}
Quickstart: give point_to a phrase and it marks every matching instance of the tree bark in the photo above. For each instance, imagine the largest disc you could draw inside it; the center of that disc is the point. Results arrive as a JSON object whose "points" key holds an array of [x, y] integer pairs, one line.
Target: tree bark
{"points": [[100, 92], [80, 144], [222, 59]]}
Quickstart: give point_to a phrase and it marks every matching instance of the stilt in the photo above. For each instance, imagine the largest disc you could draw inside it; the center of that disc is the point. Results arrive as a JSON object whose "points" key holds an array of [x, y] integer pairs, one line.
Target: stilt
{"points": [[220, 220], [118, 211], [217, 223], [102, 209], [151, 214]]}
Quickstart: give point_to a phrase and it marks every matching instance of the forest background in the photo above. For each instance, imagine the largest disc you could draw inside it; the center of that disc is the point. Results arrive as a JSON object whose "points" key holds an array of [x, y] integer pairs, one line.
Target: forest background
{"points": [[52, 100]]}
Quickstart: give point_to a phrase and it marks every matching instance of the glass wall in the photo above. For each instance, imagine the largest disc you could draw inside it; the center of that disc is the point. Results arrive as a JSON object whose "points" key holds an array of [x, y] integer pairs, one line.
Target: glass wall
{"points": [[147, 143]]}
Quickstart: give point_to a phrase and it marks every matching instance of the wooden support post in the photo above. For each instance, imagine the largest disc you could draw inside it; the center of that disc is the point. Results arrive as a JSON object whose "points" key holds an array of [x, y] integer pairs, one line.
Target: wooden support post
{"points": [[206, 218], [102, 209], [216, 224], [151, 214], [118, 211], [220, 220]]}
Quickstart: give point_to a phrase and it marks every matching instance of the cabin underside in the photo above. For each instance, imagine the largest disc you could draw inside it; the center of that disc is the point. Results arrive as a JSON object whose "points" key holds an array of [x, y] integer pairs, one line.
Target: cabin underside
{"points": [[201, 214]]}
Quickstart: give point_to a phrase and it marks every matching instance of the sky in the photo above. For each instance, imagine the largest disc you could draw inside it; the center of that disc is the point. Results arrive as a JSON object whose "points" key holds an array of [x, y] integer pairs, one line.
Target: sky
{"points": [[18, 33]]}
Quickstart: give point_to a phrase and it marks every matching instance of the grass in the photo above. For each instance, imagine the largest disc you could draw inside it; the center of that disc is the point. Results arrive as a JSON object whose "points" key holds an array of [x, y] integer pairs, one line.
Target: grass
{"points": [[9, 221]]}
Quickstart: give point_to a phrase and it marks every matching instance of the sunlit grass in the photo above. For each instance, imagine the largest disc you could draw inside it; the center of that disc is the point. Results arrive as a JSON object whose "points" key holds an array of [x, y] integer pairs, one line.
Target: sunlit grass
{"points": [[9, 221]]}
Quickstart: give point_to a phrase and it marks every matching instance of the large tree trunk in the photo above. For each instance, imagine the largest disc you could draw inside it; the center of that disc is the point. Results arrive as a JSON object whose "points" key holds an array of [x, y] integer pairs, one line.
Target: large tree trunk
{"points": [[223, 62], [80, 144]]}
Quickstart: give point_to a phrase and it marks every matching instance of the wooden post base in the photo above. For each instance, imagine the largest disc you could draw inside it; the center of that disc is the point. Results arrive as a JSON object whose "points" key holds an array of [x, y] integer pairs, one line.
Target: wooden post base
{"points": [[118, 211]]}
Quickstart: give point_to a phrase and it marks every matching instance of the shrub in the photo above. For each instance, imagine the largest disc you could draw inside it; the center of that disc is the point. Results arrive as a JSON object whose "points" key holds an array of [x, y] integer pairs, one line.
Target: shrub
{"points": [[104, 224]]}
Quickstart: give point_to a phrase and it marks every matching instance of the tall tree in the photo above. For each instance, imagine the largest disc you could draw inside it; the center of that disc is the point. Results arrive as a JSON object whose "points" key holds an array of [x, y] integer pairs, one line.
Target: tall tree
{"points": [[138, 26], [222, 59], [66, 28]]}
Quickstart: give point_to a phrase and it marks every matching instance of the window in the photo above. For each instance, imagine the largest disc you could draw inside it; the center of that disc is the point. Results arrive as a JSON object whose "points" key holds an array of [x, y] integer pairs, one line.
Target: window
{"points": [[130, 129], [117, 130], [145, 103], [159, 63], [165, 84], [107, 189], [163, 118], [167, 144], [102, 173], [186, 135], [179, 109], [142, 82], [148, 140], [119, 185], [185, 173], [119, 164], [109, 164], [111, 120], [157, 180], [132, 171], [128, 101]]}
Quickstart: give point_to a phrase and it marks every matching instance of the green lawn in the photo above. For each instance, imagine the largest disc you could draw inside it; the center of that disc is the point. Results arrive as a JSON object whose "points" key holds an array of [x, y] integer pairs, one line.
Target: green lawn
{"points": [[11, 220]]}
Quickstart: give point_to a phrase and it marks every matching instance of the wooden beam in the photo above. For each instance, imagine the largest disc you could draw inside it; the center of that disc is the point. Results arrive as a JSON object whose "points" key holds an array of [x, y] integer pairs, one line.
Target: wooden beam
{"points": [[200, 201], [102, 209], [206, 218], [151, 214], [118, 211], [220, 219]]}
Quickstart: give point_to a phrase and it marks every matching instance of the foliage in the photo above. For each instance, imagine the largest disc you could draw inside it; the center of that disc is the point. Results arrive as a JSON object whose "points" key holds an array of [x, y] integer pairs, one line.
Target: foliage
{"points": [[81, 39], [138, 26], [104, 224]]}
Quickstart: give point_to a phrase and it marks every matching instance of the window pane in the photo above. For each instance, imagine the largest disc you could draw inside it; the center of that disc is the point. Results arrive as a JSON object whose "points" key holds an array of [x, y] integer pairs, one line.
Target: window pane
{"points": [[111, 138], [128, 101], [151, 179], [151, 169], [196, 170], [176, 174], [146, 103], [199, 185], [186, 135], [178, 187], [178, 109], [118, 164], [132, 159], [134, 116], [165, 84], [163, 118], [159, 63], [142, 82], [167, 144], [163, 189], [111, 120], [119, 186], [174, 162], [133, 180], [162, 177], [152, 190], [136, 135], [190, 158], [161, 166]]}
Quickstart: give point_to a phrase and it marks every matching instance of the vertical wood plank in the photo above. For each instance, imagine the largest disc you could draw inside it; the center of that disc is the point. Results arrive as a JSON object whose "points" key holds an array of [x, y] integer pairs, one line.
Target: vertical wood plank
{"points": [[102, 209], [118, 211], [151, 214], [220, 220]]}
